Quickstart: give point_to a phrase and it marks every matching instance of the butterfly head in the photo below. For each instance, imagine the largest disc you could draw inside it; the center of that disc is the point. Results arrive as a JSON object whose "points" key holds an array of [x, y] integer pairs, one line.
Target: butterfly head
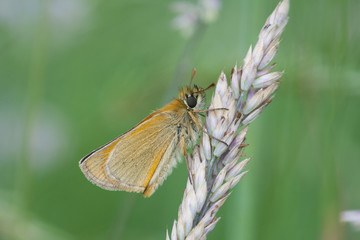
{"points": [[194, 98]]}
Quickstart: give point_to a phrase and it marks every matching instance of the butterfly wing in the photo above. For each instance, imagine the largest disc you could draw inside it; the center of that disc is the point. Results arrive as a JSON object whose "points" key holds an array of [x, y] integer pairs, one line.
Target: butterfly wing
{"points": [[138, 160], [92, 165], [143, 153]]}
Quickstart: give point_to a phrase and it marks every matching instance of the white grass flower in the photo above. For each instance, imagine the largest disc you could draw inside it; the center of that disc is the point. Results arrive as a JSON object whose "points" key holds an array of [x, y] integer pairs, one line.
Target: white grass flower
{"points": [[214, 169], [192, 15], [352, 217]]}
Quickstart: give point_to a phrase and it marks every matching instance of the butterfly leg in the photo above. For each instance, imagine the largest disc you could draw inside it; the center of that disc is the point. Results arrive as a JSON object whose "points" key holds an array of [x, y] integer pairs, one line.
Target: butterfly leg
{"points": [[208, 110], [204, 130], [183, 147]]}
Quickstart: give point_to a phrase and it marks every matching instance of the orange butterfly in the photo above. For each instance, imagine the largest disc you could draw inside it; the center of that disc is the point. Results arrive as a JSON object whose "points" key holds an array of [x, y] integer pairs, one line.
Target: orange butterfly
{"points": [[141, 159]]}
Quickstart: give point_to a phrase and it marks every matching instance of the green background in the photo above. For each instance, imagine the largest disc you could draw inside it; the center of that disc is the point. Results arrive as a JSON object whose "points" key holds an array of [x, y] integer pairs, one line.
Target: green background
{"points": [[76, 74]]}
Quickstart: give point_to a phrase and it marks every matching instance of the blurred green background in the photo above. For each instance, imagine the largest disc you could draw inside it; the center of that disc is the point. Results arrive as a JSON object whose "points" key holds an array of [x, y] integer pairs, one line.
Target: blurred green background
{"points": [[75, 74]]}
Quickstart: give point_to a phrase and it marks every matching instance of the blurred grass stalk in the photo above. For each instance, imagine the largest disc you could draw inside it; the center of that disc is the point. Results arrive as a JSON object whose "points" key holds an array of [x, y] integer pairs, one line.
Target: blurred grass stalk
{"points": [[14, 225], [33, 99], [214, 169], [192, 21]]}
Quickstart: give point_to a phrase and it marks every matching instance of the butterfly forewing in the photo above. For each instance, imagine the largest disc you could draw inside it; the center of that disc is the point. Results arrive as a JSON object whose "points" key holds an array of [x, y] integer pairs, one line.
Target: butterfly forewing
{"points": [[130, 161], [136, 166], [93, 166]]}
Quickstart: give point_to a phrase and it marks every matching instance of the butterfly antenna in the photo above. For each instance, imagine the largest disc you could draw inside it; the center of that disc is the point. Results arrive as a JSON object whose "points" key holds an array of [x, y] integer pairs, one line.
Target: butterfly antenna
{"points": [[192, 75], [210, 86]]}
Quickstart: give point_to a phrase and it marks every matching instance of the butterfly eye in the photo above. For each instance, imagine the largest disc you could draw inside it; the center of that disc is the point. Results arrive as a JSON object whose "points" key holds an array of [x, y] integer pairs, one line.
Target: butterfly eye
{"points": [[191, 101]]}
